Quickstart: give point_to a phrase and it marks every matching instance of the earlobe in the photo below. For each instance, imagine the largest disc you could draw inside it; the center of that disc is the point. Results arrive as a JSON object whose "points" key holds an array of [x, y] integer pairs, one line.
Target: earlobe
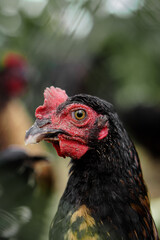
{"points": [[103, 125], [103, 133]]}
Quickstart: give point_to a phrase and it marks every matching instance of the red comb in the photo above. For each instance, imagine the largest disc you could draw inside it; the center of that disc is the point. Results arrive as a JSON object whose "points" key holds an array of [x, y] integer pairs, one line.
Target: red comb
{"points": [[14, 60], [53, 97]]}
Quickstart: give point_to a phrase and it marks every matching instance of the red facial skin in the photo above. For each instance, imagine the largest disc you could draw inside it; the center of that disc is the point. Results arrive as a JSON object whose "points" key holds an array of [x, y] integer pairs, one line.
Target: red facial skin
{"points": [[75, 144]]}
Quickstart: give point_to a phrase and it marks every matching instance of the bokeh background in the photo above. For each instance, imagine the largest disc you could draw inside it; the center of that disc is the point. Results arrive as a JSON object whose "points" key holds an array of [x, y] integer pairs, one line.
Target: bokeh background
{"points": [[108, 48]]}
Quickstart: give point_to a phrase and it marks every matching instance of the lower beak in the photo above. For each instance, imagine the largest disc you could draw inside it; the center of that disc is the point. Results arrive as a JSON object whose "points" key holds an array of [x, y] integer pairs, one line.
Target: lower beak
{"points": [[36, 134]]}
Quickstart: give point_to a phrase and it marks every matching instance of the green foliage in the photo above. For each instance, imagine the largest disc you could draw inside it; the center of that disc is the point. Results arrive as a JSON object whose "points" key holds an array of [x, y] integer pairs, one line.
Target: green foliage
{"points": [[126, 44]]}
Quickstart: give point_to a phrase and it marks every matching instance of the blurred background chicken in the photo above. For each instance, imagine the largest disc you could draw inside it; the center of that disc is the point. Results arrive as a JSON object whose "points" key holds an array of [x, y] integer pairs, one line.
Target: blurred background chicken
{"points": [[14, 78], [28, 169]]}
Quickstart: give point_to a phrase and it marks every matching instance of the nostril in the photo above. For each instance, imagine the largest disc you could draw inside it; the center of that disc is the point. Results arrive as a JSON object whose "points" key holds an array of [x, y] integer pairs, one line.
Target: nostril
{"points": [[43, 122]]}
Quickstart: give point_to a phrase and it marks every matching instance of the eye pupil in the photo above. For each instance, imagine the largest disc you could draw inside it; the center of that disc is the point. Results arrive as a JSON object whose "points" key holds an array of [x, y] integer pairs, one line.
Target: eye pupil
{"points": [[80, 114]]}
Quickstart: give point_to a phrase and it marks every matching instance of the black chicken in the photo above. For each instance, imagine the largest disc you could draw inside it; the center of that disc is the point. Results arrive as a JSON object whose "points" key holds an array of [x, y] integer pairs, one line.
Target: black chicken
{"points": [[105, 197], [22, 201], [36, 167]]}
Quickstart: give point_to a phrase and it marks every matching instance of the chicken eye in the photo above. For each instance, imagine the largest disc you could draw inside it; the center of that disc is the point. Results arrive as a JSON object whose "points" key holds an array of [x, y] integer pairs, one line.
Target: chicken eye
{"points": [[79, 114]]}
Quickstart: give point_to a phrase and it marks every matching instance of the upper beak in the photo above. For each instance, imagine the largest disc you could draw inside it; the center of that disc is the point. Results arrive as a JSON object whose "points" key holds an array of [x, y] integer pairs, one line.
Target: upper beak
{"points": [[36, 134]]}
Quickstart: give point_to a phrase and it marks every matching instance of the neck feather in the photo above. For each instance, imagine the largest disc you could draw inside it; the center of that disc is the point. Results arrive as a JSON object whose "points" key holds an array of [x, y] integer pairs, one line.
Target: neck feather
{"points": [[104, 177]]}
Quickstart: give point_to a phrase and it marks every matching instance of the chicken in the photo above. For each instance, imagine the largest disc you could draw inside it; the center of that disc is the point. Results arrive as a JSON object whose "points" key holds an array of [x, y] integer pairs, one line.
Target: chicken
{"points": [[13, 83], [105, 197], [27, 178], [22, 201], [35, 167]]}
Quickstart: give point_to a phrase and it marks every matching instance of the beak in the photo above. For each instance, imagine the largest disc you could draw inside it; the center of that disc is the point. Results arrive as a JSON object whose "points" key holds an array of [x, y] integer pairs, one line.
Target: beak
{"points": [[36, 134]]}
